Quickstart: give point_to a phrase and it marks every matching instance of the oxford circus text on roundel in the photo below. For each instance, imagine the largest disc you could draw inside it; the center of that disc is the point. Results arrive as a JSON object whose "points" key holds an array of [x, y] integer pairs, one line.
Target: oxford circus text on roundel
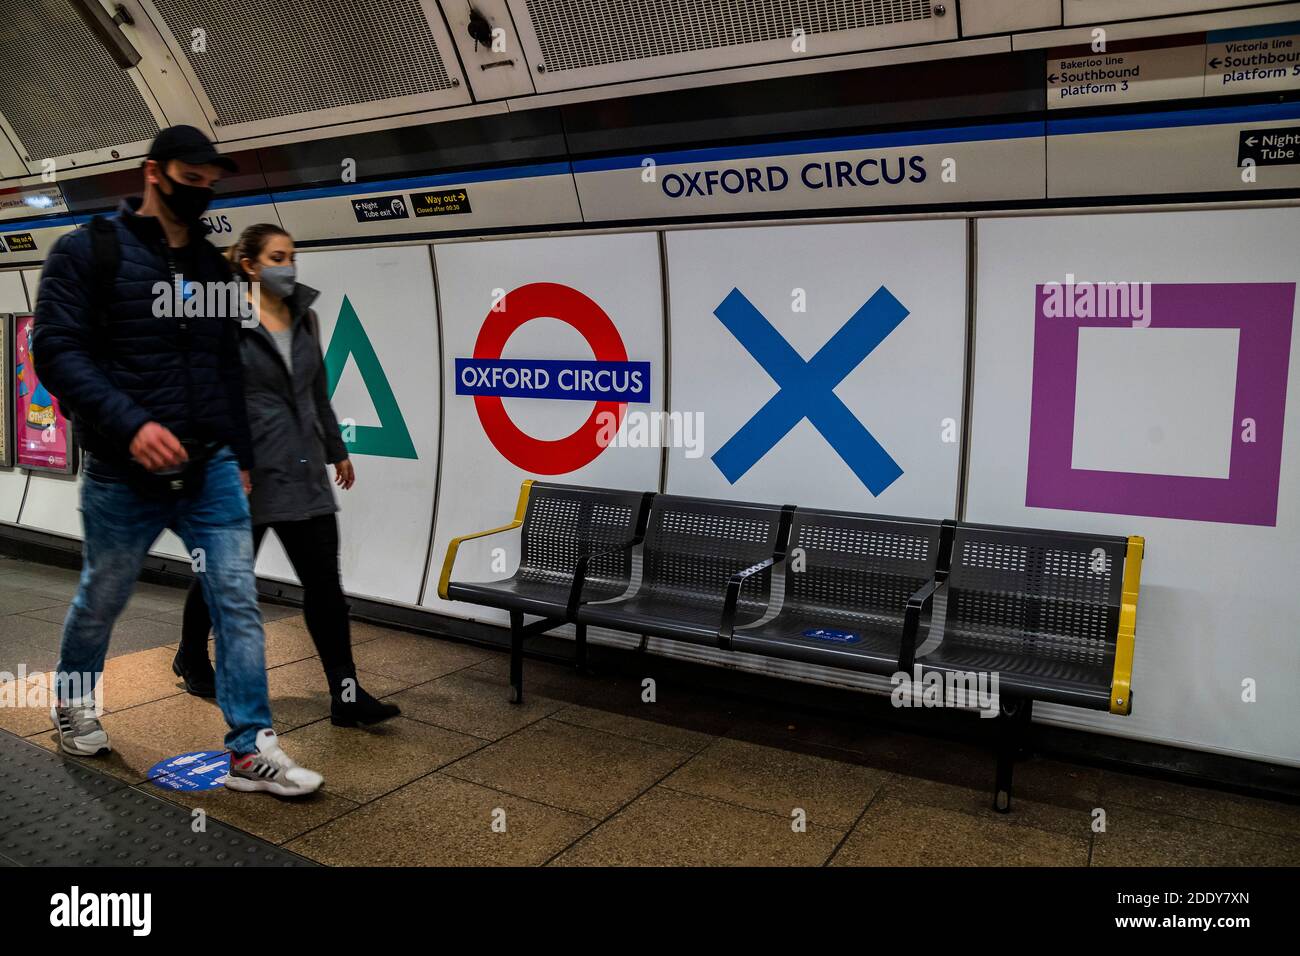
{"points": [[609, 380]]}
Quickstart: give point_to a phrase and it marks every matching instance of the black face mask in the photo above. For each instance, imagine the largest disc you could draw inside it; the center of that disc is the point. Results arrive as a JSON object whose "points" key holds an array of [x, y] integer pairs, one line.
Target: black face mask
{"points": [[187, 203]]}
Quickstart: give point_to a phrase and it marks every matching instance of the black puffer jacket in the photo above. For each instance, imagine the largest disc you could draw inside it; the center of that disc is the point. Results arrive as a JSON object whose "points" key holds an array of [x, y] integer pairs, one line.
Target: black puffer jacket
{"points": [[134, 367], [295, 433]]}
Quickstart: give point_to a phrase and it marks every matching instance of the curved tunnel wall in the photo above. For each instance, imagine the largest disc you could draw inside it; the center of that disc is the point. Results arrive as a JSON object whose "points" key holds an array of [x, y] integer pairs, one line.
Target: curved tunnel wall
{"points": [[1213, 612]]}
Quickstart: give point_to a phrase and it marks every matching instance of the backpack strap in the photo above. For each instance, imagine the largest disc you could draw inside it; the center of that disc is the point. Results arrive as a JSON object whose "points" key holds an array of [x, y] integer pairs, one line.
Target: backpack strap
{"points": [[105, 256]]}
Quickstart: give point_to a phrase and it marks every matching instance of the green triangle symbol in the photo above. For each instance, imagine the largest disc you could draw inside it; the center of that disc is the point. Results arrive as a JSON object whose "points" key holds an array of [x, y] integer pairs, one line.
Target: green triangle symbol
{"points": [[390, 438]]}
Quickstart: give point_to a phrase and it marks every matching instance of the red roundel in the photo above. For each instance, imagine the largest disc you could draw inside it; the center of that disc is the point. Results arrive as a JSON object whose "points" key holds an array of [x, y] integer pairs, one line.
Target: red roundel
{"points": [[528, 302]]}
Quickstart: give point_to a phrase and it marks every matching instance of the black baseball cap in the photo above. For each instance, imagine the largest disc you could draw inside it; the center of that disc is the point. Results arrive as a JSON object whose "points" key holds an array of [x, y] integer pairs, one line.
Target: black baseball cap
{"points": [[189, 145]]}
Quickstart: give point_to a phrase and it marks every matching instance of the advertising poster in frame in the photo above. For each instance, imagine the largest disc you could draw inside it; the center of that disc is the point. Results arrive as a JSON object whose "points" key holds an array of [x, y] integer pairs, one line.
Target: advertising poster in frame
{"points": [[42, 437], [6, 390]]}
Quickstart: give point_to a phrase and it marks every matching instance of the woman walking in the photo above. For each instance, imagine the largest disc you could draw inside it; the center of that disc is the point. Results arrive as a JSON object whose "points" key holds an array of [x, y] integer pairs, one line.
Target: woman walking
{"points": [[295, 437]]}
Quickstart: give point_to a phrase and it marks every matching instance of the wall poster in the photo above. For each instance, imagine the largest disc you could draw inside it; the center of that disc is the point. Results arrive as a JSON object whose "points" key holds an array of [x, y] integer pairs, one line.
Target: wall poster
{"points": [[42, 437]]}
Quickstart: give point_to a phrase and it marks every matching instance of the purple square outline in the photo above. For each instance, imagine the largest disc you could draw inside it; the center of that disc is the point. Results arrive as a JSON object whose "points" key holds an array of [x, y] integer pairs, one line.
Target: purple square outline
{"points": [[1262, 313]]}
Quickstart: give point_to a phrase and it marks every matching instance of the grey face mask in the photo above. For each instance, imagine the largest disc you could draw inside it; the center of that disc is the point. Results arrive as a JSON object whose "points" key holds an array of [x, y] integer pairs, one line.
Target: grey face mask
{"points": [[279, 280]]}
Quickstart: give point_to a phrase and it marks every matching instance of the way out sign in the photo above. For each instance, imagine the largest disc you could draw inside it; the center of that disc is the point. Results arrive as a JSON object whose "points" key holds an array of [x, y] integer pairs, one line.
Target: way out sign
{"points": [[197, 770]]}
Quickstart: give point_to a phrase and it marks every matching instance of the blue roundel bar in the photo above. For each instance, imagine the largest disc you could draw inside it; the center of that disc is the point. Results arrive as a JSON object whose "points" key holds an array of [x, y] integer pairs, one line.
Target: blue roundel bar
{"points": [[575, 379]]}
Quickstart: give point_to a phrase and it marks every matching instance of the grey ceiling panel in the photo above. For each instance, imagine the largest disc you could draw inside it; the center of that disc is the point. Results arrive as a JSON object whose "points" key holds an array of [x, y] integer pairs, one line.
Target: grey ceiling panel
{"points": [[263, 62], [576, 34], [62, 93], [583, 43]]}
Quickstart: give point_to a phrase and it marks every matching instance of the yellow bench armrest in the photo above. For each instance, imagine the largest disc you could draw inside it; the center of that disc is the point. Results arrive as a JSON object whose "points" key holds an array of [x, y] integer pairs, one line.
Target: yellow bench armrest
{"points": [[1121, 690], [445, 578]]}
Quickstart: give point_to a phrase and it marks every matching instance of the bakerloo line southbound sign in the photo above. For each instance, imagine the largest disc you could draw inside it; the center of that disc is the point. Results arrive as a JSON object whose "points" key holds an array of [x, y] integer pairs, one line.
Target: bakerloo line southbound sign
{"points": [[815, 175], [1088, 76]]}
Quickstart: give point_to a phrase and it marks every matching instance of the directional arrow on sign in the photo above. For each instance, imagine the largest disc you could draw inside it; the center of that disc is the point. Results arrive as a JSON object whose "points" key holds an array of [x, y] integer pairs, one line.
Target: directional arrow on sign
{"points": [[1052, 79], [1214, 64], [1269, 147]]}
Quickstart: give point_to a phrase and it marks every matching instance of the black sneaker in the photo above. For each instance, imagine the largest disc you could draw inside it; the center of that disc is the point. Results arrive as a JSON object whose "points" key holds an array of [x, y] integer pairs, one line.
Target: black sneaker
{"points": [[362, 712], [198, 677]]}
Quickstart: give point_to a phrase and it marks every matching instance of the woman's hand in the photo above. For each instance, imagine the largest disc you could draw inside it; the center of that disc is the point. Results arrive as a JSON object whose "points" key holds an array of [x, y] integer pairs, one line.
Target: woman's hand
{"points": [[344, 476], [246, 479]]}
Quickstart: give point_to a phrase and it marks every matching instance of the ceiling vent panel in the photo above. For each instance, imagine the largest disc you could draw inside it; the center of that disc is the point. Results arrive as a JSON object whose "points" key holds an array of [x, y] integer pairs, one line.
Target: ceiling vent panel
{"points": [[62, 94], [267, 70], [575, 43]]}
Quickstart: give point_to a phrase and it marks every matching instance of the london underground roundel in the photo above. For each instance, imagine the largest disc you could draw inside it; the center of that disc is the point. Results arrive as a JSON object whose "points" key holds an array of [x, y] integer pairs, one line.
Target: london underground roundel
{"points": [[609, 380]]}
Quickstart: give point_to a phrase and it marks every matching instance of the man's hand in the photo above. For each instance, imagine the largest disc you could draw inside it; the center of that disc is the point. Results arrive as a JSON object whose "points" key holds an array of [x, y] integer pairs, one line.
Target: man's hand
{"points": [[246, 479], [344, 476], [155, 447]]}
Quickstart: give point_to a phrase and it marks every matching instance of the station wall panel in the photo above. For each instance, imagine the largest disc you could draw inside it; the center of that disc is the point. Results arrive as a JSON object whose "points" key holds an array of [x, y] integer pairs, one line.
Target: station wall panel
{"points": [[169, 545], [13, 297], [52, 501], [32, 282], [1212, 614], [1161, 154], [532, 195], [1001, 161], [13, 481], [574, 298], [228, 218], [41, 235], [1185, 429], [53, 504], [376, 312], [877, 311]]}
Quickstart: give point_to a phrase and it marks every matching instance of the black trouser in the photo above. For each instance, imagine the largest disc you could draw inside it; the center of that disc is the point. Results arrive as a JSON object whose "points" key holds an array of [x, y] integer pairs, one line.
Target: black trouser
{"points": [[313, 549]]}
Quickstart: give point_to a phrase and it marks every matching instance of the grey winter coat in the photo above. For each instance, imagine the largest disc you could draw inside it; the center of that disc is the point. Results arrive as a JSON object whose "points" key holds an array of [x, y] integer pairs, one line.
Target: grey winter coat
{"points": [[295, 433]]}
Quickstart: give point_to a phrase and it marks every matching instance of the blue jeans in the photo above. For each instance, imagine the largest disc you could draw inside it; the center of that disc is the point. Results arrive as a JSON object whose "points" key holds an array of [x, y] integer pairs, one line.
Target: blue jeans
{"points": [[120, 525]]}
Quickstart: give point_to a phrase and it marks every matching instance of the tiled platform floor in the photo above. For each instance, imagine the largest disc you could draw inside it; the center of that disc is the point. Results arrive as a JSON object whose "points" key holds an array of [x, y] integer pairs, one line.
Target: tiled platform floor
{"points": [[586, 773]]}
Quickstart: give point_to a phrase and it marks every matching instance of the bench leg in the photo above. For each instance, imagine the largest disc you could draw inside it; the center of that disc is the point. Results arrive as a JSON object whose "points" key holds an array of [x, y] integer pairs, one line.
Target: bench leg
{"points": [[1013, 733], [1026, 722], [580, 648], [516, 657]]}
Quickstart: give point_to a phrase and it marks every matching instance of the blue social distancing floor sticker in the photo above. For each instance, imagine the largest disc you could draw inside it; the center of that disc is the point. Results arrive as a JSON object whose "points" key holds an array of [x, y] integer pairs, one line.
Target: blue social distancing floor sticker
{"points": [[197, 770], [832, 636]]}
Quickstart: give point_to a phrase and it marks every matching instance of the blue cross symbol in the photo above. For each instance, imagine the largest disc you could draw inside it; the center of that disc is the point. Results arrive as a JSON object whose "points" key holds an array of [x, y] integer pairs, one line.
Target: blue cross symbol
{"points": [[807, 389]]}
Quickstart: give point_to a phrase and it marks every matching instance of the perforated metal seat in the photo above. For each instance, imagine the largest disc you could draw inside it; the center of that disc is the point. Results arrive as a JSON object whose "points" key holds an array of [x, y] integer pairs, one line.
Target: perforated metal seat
{"points": [[847, 581], [1039, 608], [693, 548], [561, 522]]}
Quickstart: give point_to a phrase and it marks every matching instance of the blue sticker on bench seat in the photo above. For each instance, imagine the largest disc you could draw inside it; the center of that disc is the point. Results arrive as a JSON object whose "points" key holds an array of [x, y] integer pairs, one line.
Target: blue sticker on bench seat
{"points": [[831, 636]]}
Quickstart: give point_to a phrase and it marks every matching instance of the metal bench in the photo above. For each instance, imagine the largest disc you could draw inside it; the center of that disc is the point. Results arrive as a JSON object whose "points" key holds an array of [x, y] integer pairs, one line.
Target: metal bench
{"points": [[1051, 614], [703, 561], [848, 578], [569, 536]]}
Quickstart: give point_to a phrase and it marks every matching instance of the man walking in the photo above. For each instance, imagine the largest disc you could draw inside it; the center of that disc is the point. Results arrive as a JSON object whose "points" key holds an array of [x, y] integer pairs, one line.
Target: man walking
{"points": [[153, 380]]}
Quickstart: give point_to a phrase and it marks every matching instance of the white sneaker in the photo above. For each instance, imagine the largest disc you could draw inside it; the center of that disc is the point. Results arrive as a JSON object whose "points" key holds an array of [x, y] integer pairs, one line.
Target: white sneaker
{"points": [[271, 769], [80, 732]]}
